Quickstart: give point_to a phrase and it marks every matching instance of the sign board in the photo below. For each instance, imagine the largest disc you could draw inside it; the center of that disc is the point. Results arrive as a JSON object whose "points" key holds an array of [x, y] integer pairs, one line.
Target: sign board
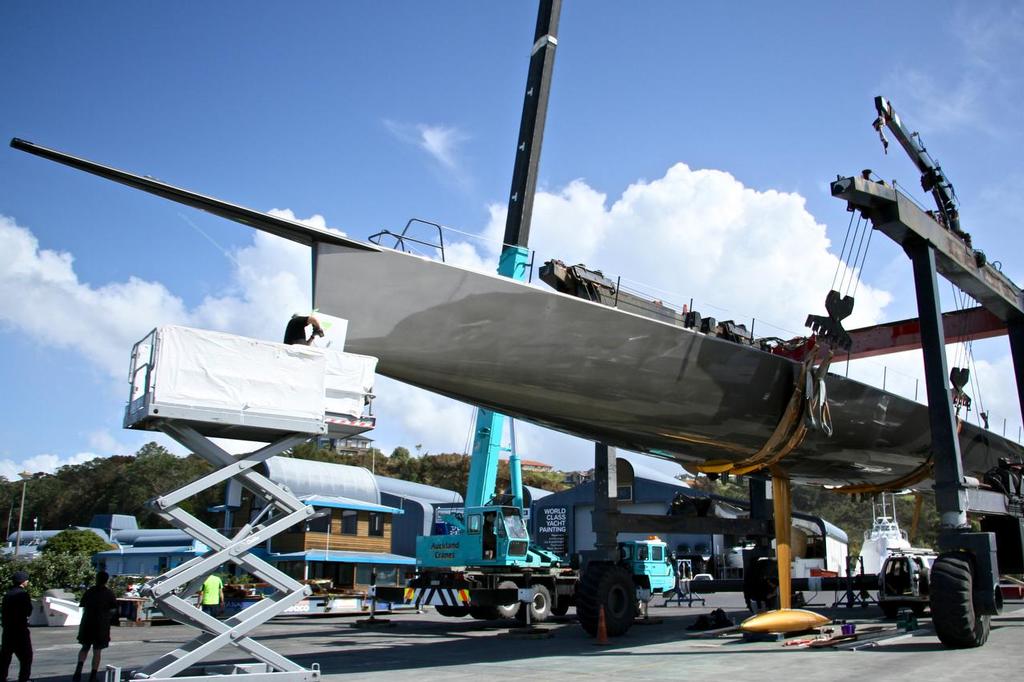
{"points": [[553, 529]]}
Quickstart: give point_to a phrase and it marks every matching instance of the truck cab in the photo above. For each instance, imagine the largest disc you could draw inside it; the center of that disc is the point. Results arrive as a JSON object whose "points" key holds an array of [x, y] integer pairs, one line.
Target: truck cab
{"points": [[650, 564], [486, 536]]}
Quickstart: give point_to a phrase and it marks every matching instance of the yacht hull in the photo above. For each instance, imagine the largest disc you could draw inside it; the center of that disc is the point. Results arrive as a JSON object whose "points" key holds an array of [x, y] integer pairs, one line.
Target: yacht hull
{"points": [[612, 376]]}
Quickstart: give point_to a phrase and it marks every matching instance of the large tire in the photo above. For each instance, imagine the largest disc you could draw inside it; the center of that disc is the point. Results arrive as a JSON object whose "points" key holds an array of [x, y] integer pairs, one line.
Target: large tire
{"points": [[452, 611], [890, 610], [561, 607], [484, 612], [610, 586], [761, 587], [957, 623], [540, 607], [510, 610]]}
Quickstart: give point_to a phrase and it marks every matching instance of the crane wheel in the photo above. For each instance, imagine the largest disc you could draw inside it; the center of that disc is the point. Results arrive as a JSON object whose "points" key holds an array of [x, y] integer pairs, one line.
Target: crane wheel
{"points": [[484, 612], [540, 607], [561, 607], [452, 611], [507, 610], [951, 589], [610, 586]]}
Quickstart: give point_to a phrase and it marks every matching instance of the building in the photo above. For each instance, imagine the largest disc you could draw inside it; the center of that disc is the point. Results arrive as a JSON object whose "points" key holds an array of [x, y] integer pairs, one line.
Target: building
{"points": [[135, 551], [366, 523], [347, 541], [561, 523], [147, 552], [533, 465], [349, 445]]}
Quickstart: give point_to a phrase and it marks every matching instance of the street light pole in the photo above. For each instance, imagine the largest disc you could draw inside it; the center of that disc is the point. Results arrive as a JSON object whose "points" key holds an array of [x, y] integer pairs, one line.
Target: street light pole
{"points": [[21, 510]]}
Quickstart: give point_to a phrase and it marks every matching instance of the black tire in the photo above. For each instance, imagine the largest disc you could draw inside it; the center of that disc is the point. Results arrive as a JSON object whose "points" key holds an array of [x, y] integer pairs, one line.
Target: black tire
{"points": [[610, 586], [890, 610], [484, 612], [957, 623], [540, 607], [509, 610], [561, 607], [918, 609], [761, 587], [452, 611]]}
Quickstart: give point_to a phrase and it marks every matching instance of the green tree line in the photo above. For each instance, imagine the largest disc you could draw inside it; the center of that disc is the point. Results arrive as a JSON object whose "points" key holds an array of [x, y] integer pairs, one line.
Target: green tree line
{"points": [[123, 484]]}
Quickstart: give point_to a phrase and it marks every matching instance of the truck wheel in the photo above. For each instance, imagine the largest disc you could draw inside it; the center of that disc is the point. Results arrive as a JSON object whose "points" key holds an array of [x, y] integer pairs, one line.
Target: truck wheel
{"points": [[610, 586], [484, 612], [890, 610], [509, 610], [452, 611], [540, 607], [951, 588], [561, 607]]}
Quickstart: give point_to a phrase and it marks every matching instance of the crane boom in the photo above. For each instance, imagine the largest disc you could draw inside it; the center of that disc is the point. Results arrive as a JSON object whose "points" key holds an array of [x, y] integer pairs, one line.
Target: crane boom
{"points": [[933, 179]]}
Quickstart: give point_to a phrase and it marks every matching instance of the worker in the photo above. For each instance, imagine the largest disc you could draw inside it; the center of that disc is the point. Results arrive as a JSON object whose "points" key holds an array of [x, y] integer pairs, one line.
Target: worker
{"points": [[211, 595], [295, 332], [99, 606], [16, 641]]}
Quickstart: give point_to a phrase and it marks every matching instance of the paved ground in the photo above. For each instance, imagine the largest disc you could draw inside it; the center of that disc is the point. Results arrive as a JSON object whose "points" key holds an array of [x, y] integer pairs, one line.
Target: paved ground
{"points": [[430, 647]]}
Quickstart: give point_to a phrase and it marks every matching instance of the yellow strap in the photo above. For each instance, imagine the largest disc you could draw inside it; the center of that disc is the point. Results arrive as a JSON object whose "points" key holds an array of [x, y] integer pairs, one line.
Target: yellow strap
{"points": [[788, 433], [909, 480]]}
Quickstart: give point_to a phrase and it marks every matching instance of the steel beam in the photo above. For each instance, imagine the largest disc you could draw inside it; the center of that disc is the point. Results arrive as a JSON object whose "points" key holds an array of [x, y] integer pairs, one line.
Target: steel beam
{"points": [[896, 337], [899, 218], [702, 525]]}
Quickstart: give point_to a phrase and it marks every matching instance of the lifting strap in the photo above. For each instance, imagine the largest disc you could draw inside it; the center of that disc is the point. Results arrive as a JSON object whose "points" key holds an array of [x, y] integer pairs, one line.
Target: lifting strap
{"points": [[808, 396], [902, 483]]}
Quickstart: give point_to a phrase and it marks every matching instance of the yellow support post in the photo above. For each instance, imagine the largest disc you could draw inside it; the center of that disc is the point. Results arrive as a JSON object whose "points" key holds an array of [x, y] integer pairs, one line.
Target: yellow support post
{"points": [[783, 508]]}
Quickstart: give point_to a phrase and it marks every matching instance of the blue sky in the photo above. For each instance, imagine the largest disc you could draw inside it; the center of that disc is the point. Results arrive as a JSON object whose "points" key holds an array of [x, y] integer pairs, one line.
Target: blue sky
{"points": [[367, 114]]}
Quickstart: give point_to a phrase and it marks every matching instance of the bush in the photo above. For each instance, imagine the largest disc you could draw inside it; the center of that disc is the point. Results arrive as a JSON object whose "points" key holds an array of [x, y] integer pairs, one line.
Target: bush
{"points": [[71, 572], [75, 541]]}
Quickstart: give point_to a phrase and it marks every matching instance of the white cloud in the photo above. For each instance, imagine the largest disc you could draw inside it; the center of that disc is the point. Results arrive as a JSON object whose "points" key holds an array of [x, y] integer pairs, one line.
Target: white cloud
{"points": [[40, 295], [440, 142], [738, 252], [972, 88], [46, 463]]}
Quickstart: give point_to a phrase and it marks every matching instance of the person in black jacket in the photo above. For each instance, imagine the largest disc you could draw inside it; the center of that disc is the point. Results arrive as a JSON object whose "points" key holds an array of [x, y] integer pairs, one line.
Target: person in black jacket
{"points": [[99, 611], [295, 331], [16, 641]]}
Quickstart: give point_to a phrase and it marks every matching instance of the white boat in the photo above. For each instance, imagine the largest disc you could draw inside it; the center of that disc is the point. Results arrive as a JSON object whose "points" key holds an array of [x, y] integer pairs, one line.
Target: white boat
{"points": [[61, 612], [884, 537]]}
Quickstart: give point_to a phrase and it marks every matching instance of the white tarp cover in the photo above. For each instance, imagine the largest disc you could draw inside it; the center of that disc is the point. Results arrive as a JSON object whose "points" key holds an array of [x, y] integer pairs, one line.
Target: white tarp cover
{"points": [[348, 381], [205, 369]]}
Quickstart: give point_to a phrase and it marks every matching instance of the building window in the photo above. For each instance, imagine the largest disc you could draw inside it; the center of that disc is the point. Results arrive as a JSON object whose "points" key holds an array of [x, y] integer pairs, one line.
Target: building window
{"points": [[320, 524], [349, 522], [376, 524]]}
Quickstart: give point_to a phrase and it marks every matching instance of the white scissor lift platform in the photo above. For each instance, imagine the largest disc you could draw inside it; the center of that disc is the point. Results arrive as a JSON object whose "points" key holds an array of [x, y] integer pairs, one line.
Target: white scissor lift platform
{"points": [[195, 385]]}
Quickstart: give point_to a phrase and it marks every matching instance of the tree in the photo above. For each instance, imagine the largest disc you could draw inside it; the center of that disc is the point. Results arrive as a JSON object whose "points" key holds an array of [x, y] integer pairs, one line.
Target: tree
{"points": [[75, 541]]}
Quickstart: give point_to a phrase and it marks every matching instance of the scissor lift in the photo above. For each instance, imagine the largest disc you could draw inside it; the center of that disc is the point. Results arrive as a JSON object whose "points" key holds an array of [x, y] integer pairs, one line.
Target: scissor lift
{"points": [[195, 385]]}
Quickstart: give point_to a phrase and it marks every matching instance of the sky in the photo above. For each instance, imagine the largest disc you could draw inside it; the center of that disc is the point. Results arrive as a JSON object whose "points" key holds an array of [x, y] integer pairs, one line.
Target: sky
{"points": [[688, 149]]}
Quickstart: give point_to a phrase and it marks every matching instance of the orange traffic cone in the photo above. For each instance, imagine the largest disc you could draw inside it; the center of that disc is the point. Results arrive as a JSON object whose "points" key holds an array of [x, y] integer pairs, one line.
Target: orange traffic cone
{"points": [[602, 629]]}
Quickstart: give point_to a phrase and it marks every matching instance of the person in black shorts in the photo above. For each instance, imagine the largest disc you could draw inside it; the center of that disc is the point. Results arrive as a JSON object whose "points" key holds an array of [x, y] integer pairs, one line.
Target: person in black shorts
{"points": [[295, 332], [100, 611]]}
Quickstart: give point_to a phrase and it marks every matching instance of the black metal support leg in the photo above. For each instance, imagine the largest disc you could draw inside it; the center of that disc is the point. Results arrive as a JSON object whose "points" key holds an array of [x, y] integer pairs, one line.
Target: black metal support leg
{"points": [[1015, 330], [606, 506], [950, 494]]}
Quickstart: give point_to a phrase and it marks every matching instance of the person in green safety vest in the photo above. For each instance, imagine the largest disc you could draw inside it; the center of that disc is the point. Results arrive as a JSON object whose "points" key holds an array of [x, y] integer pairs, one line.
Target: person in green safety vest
{"points": [[211, 595]]}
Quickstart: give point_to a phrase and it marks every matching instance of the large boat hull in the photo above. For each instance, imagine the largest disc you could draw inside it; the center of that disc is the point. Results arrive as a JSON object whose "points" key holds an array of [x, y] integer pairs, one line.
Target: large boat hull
{"points": [[613, 376]]}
